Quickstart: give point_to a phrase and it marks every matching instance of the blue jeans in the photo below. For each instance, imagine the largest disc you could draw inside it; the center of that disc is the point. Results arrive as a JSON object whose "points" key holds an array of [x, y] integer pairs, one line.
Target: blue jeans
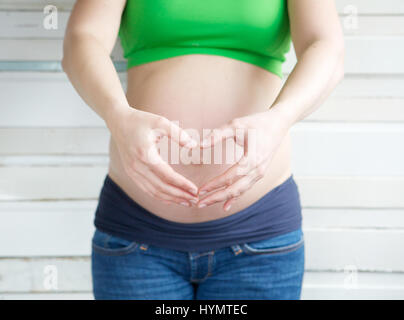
{"points": [[267, 269]]}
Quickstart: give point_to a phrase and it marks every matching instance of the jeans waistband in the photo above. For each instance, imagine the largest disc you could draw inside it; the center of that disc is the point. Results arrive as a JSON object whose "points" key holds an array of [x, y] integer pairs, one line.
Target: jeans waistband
{"points": [[277, 212]]}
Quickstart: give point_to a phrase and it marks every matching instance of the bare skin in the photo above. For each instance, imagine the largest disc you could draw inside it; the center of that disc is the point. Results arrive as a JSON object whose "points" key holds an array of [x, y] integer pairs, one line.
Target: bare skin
{"points": [[200, 92], [166, 88]]}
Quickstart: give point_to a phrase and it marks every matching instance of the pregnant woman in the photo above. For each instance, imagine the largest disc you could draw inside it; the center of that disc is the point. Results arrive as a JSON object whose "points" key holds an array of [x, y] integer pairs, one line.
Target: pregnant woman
{"points": [[204, 81]]}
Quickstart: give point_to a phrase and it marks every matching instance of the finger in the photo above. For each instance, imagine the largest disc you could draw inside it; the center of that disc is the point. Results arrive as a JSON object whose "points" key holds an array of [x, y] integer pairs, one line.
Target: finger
{"points": [[229, 203], [218, 134], [235, 172], [233, 191], [174, 132], [165, 197], [167, 174], [154, 192], [246, 164], [161, 186], [258, 175], [227, 178], [144, 185]]}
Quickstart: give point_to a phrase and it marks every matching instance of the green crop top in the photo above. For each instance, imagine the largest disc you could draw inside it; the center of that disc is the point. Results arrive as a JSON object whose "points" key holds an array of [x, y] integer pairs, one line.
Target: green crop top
{"points": [[253, 31]]}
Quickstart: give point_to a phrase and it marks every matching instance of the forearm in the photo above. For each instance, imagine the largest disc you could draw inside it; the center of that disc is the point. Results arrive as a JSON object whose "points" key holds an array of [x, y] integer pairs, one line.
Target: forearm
{"points": [[92, 73], [317, 72]]}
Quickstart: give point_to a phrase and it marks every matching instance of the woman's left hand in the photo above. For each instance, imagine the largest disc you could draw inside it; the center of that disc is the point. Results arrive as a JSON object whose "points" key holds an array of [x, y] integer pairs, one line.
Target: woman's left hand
{"points": [[260, 134]]}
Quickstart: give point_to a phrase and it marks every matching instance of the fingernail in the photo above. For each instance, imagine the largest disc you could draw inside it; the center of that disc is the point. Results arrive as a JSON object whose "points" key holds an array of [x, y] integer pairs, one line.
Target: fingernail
{"points": [[193, 191], [202, 192], [201, 205], [185, 204], [193, 201], [227, 208]]}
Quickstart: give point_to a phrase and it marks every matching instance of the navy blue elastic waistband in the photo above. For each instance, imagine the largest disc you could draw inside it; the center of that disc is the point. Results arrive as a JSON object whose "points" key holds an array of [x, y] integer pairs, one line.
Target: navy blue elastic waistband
{"points": [[277, 212]]}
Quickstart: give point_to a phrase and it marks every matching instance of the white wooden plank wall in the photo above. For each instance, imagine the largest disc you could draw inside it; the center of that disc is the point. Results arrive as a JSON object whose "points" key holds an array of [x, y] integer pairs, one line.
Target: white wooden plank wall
{"points": [[348, 161]]}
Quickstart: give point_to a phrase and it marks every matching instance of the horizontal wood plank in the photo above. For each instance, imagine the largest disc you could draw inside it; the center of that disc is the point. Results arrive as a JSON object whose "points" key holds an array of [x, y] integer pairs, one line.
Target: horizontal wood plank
{"points": [[367, 250], [308, 293], [343, 6], [372, 25], [26, 279], [335, 238], [29, 141], [360, 109], [41, 50], [352, 191], [47, 296], [83, 182], [346, 160], [54, 103], [386, 7], [317, 148], [313, 218], [351, 286], [50, 275], [46, 183], [349, 218], [347, 149], [38, 5], [362, 53], [29, 24]]}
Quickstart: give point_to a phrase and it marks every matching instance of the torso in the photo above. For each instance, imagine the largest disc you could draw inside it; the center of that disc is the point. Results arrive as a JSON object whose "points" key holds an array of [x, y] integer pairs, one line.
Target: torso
{"points": [[202, 92]]}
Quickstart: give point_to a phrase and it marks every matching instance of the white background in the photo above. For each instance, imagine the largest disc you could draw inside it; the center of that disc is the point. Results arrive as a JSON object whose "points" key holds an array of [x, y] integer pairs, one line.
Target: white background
{"points": [[348, 161]]}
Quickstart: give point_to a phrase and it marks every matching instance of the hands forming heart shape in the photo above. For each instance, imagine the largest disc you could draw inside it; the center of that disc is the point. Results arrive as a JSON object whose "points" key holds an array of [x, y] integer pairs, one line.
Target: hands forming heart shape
{"points": [[259, 134]]}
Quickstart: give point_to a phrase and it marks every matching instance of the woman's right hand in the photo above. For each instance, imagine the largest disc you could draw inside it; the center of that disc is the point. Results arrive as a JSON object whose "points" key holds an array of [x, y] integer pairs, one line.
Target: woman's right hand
{"points": [[136, 134]]}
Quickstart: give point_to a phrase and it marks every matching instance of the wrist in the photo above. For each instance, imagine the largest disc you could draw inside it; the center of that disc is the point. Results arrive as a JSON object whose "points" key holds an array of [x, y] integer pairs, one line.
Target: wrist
{"points": [[115, 114], [284, 117]]}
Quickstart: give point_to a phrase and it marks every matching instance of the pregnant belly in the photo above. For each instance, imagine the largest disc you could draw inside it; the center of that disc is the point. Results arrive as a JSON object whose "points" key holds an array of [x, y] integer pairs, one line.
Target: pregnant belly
{"points": [[200, 93]]}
